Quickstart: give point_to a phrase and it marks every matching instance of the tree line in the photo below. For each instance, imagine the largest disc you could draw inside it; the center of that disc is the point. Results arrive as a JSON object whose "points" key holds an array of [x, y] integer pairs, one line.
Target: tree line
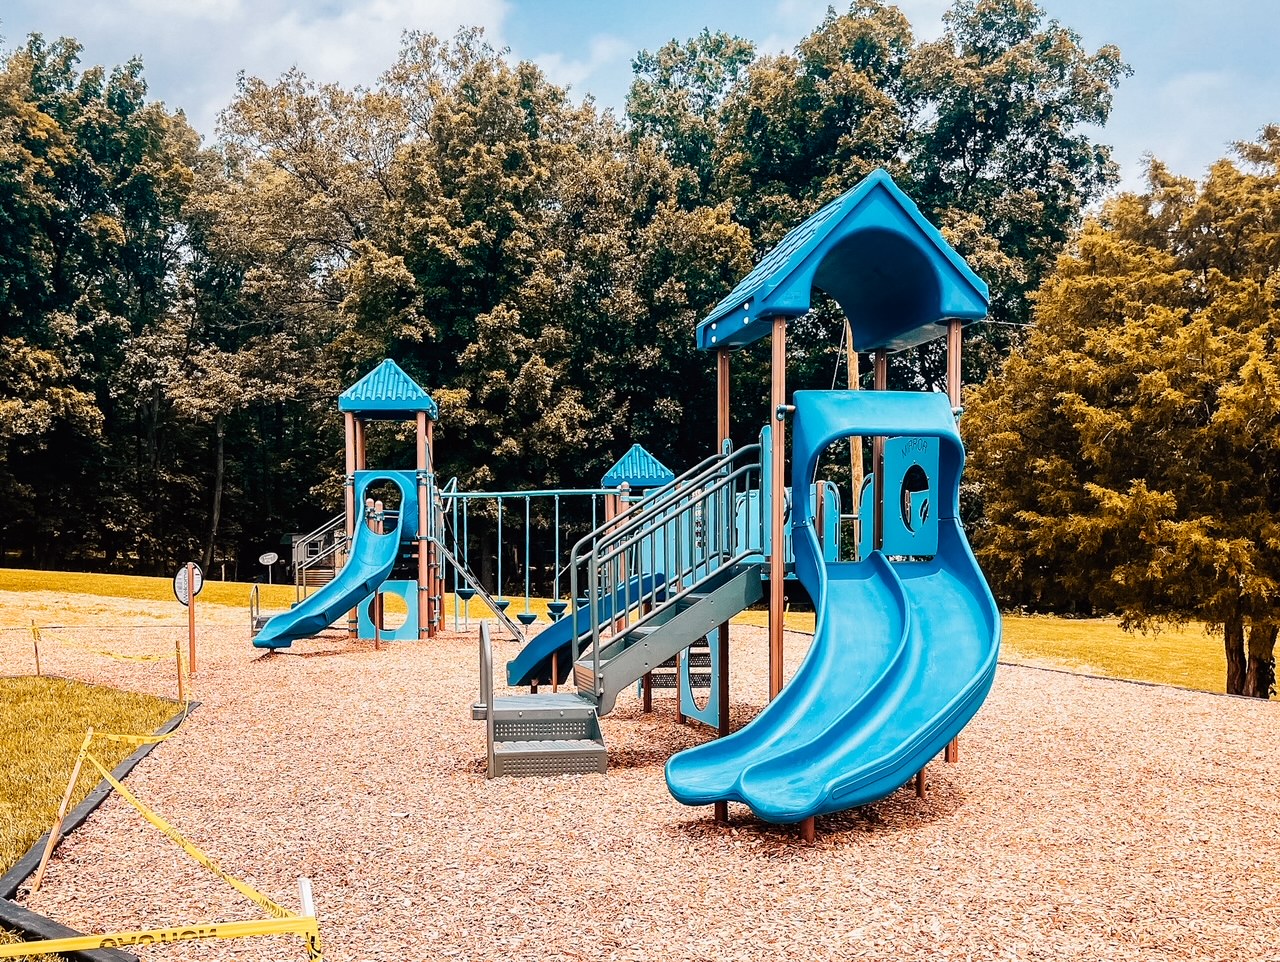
{"points": [[178, 318]]}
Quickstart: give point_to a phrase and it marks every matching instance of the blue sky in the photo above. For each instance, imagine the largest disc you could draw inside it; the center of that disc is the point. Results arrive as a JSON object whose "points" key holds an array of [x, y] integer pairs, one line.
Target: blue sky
{"points": [[1206, 74]]}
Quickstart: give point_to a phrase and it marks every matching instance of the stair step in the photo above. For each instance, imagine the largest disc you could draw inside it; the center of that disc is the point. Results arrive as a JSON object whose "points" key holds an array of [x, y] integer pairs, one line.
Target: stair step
{"points": [[670, 680], [547, 757]]}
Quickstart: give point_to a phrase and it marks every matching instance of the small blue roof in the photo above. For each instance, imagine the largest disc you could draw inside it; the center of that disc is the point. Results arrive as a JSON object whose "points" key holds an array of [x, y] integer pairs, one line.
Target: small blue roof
{"points": [[387, 394], [889, 269], [637, 469]]}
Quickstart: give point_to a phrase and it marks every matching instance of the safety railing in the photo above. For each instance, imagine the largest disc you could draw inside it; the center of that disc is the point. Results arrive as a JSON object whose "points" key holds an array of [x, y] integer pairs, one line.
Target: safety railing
{"points": [[330, 541], [486, 695], [685, 532], [255, 610]]}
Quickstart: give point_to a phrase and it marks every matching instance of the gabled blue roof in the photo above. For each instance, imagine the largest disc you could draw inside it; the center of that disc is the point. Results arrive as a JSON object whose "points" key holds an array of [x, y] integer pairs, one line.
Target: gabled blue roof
{"points": [[871, 249], [387, 393], [638, 469]]}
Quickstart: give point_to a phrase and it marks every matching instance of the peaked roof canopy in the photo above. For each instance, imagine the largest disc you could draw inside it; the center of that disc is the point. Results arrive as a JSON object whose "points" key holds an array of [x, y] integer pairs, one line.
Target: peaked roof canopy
{"points": [[387, 394], [637, 469], [889, 269]]}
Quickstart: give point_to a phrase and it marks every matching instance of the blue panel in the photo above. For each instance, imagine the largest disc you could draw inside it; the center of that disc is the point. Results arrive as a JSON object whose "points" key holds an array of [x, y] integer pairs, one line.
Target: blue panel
{"points": [[408, 590], [710, 713]]}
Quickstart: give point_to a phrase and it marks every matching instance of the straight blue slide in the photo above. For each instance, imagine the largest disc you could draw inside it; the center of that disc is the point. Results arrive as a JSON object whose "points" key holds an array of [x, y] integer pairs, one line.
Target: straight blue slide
{"points": [[372, 558], [533, 665], [903, 654]]}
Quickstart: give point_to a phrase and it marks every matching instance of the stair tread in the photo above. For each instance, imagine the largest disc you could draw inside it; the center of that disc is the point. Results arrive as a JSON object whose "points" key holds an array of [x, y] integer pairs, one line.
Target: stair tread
{"points": [[547, 745]]}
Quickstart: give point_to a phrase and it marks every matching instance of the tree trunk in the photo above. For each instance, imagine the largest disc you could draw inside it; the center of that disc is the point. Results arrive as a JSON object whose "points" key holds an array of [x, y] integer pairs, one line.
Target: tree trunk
{"points": [[1233, 638], [220, 429], [1260, 675]]}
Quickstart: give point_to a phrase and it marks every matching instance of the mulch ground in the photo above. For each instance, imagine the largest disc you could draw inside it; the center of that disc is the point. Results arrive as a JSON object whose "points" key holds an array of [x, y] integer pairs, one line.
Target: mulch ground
{"points": [[1087, 819]]}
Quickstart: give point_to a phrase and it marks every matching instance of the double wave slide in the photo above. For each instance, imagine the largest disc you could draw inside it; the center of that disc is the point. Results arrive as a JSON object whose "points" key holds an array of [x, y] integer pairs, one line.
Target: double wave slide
{"points": [[372, 558], [903, 654], [552, 646]]}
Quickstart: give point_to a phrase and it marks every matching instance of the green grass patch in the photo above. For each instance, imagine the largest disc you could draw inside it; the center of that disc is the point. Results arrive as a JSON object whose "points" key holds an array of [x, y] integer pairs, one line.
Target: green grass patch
{"points": [[1189, 656], [136, 587], [42, 723]]}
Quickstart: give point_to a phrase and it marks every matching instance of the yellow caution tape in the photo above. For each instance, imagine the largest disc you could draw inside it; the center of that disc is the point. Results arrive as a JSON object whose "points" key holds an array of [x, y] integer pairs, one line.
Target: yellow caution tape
{"points": [[101, 652], [283, 922], [244, 888], [304, 925]]}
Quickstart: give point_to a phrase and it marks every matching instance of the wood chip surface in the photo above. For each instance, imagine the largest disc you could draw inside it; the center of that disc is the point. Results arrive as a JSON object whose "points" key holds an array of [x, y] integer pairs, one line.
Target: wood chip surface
{"points": [[1087, 819]]}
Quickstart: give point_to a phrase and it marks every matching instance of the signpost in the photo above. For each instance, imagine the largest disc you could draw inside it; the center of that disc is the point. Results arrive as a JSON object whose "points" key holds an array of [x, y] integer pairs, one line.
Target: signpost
{"points": [[268, 559], [187, 583]]}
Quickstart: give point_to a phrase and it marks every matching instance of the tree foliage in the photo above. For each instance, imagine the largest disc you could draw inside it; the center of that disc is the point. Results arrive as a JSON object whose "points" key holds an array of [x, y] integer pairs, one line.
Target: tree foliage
{"points": [[176, 320], [1127, 456]]}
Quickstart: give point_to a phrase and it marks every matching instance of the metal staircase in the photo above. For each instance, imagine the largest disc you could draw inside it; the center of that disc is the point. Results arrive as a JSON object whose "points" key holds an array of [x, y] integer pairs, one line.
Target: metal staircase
{"points": [[319, 556], [692, 531]]}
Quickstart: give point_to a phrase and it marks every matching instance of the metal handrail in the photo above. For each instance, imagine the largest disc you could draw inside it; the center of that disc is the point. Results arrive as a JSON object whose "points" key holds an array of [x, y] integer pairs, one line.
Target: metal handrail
{"points": [[255, 606], [486, 695], [702, 502]]}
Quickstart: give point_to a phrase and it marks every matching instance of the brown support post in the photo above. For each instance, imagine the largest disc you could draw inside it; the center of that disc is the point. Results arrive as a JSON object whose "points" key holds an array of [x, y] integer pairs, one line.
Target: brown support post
{"points": [[809, 829], [921, 788], [191, 618], [722, 633], [954, 376], [426, 625], [350, 499], [362, 452], [856, 470], [877, 456], [777, 484]]}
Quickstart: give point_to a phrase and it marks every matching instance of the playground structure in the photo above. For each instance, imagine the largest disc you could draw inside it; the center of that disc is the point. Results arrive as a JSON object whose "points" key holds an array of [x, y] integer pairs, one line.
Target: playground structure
{"points": [[907, 632]]}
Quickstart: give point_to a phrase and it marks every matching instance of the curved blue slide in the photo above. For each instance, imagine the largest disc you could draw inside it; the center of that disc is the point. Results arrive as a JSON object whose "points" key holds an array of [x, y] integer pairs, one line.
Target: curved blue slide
{"points": [[372, 558], [533, 665], [903, 655]]}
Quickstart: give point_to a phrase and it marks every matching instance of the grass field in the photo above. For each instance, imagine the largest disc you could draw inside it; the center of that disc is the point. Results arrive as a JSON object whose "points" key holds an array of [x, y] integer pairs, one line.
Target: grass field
{"points": [[42, 724], [1186, 656]]}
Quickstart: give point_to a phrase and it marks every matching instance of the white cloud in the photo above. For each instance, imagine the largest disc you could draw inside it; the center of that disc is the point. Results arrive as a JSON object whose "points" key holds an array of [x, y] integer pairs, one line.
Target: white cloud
{"points": [[604, 53], [193, 49]]}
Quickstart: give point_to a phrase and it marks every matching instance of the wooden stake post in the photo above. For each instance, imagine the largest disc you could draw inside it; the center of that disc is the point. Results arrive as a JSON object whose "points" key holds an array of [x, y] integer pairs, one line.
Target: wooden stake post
{"points": [[56, 829]]}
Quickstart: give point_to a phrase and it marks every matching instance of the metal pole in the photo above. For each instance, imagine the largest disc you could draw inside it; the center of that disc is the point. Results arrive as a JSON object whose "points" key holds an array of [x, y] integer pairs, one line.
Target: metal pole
{"points": [[499, 592], [426, 630], [526, 554], [556, 559], [350, 499], [777, 465]]}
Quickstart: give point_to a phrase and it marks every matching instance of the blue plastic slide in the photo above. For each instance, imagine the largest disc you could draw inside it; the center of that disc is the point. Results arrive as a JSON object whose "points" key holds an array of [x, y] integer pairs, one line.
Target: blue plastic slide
{"points": [[368, 566], [903, 654], [533, 664]]}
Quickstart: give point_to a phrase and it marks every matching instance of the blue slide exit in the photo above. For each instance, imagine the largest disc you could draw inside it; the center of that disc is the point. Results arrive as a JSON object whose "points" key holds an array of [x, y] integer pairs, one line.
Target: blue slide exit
{"points": [[372, 558], [903, 655], [533, 664]]}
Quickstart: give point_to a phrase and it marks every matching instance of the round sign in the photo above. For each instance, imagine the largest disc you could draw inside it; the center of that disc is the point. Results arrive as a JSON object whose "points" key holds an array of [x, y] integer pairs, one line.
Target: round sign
{"points": [[269, 558], [181, 589]]}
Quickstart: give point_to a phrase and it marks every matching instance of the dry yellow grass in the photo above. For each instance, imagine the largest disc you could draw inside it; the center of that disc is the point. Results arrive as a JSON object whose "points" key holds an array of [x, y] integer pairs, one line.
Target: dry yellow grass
{"points": [[1188, 656]]}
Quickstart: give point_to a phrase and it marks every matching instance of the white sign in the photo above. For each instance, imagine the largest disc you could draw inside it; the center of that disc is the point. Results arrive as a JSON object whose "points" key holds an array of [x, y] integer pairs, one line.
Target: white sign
{"points": [[181, 589], [269, 558]]}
